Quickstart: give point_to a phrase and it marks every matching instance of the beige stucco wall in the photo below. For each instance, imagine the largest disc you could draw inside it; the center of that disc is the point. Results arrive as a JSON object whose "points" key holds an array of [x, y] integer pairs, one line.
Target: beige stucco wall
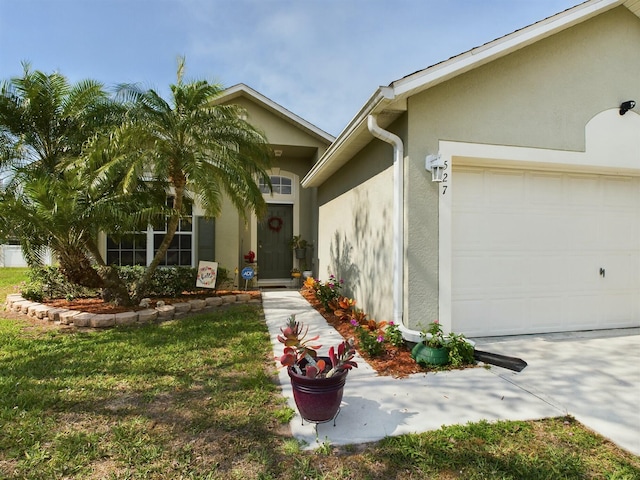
{"points": [[304, 151], [228, 242], [355, 239], [278, 130], [542, 96]]}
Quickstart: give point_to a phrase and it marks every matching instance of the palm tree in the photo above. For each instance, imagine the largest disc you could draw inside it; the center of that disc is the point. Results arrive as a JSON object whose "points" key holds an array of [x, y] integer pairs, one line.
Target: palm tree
{"points": [[195, 147], [50, 201]]}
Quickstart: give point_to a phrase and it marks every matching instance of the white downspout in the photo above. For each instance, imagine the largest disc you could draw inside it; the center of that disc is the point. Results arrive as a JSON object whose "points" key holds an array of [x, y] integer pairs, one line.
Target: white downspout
{"points": [[398, 225]]}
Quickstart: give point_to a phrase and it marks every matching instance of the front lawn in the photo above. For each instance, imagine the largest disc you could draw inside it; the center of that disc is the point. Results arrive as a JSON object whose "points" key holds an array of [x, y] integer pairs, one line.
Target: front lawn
{"points": [[196, 398]]}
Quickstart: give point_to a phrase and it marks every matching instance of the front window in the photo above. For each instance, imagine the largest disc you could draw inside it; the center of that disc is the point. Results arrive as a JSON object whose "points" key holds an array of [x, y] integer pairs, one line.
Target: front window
{"points": [[132, 249], [180, 251], [281, 185]]}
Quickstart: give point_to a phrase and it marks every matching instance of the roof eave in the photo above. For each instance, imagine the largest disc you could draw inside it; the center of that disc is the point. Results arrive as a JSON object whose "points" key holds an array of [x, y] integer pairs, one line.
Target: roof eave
{"points": [[347, 140], [355, 135]]}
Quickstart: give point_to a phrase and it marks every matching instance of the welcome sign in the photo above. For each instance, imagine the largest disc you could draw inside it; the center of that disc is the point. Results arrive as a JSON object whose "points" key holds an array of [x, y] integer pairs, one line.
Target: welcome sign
{"points": [[207, 274]]}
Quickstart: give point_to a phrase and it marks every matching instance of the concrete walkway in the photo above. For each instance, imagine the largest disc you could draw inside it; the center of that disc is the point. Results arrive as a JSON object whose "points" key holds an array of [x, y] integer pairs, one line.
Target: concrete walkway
{"points": [[593, 376]]}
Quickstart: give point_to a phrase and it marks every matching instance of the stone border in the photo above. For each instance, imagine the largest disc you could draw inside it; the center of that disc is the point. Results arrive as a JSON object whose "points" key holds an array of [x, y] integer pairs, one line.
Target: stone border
{"points": [[15, 303]]}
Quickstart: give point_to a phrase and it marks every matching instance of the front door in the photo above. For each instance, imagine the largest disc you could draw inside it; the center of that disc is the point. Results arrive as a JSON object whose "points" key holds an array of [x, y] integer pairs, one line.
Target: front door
{"points": [[275, 258]]}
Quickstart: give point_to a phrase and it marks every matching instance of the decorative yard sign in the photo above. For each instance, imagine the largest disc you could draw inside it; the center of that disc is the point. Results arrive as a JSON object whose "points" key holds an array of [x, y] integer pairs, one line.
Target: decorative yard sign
{"points": [[207, 274], [247, 273]]}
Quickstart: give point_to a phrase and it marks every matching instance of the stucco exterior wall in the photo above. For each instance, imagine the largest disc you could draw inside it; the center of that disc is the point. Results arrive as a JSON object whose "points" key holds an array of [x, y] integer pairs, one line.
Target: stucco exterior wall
{"points": [[228, 238], [277, 130], [355, 239], [300, 150], [542, 96]]}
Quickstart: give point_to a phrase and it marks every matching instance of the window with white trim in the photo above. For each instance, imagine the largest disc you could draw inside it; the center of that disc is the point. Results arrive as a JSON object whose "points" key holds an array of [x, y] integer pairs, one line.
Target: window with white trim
{"points": [[132, 249], [281, 185]]}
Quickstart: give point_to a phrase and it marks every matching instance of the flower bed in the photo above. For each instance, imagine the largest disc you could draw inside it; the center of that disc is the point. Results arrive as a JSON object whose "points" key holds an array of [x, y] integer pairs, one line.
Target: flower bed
{"points": [[394, 361]]}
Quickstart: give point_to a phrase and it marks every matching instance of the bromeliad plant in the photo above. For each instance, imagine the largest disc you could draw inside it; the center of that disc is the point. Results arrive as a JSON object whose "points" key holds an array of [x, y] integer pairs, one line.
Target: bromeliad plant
{"points": [[302, 356]]}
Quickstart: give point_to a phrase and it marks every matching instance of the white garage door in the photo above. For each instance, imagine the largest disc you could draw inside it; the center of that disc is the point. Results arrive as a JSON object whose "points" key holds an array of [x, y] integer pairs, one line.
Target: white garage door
{"points": [[544, 252]]}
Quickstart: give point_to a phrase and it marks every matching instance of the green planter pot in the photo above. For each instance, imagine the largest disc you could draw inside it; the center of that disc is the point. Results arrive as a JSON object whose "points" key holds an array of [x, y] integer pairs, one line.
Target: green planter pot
{"points": [[430, 356]]}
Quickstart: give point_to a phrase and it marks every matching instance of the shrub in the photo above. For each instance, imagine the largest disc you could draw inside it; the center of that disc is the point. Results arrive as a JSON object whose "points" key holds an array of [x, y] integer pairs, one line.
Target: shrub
{"points": [[371, 342], [48, 282], [460, 351], [328, 291], [394, 335]]}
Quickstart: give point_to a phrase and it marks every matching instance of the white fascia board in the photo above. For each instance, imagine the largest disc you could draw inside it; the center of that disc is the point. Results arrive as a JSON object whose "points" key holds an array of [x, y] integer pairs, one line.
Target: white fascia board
{"points": [[332, 157], [500, 47]]}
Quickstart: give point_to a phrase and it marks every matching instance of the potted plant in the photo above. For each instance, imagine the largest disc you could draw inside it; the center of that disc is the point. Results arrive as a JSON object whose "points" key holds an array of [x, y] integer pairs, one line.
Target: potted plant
{"points": [[438, 349], [317, 382], [295, 273], [299, 245]]}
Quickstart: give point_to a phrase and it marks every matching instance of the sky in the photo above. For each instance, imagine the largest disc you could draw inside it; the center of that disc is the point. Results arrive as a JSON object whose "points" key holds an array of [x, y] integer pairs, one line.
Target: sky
{"points": [[320, 59]]}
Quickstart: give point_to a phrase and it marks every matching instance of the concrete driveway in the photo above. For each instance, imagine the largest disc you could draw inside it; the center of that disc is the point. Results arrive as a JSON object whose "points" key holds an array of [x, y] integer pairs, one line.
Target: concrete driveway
{"points": [[592, 376]]}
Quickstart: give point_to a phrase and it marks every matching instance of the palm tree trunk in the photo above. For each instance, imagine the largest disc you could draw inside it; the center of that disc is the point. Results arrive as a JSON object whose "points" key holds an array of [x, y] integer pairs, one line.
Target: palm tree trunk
{"points": [[114, 290], [142, 285]]}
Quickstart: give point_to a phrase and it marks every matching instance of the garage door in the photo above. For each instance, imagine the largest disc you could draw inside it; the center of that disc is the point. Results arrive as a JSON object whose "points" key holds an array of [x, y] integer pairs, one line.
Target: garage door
{"points": [[544, 252]]}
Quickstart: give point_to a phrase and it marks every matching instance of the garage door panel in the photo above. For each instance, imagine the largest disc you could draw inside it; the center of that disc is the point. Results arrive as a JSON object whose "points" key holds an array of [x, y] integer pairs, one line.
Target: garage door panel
{"points": [[619, 231], [618, 192], [507, 315], [545, 273], [619, 308], [470, 232], [582, 192], [501, 232], [548, 312], [506, 188], [471, 316], [528, 248], [580, 230], [620, 273], [582, 312], [583, 273], [545, 189]]}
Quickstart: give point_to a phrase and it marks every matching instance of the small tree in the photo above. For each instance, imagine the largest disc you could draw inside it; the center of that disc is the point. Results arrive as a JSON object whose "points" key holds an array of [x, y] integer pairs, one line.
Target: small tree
{"points": [[52, 200], [192, 146]]}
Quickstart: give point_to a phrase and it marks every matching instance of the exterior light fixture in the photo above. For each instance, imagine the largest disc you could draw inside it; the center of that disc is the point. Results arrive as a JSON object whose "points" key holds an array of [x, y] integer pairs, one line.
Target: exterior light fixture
{"points": [[435, 164], [626, 106]]}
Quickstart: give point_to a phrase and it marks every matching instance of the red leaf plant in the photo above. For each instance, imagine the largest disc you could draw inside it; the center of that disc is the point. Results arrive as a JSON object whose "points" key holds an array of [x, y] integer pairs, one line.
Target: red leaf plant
{"points": [[297, 347]]}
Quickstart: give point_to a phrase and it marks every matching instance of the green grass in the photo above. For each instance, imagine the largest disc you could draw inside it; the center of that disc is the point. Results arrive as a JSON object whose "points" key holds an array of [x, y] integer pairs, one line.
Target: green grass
{"points": [[196, 398], [10, 278]]}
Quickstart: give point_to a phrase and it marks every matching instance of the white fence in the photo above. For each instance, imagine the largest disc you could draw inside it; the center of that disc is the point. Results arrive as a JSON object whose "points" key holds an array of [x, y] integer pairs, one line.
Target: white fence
{"points": [[11, 256]]}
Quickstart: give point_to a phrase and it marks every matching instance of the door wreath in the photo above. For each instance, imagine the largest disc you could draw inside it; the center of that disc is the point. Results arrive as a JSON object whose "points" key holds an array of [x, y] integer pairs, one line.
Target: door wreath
{"points": [[275, 223]]}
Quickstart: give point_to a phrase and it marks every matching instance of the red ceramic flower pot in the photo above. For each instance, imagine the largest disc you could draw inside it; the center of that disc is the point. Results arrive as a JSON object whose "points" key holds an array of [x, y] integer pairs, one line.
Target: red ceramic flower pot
{"points": [[318, 399]]}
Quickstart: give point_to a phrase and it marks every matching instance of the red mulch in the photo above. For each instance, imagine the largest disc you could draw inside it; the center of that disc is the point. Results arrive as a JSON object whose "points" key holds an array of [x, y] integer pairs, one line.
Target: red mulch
{"points": [[396, 362]]}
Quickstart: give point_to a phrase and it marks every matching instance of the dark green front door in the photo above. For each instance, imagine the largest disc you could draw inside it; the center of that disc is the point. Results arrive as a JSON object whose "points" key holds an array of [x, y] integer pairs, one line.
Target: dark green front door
{"points": [[275, 258]]}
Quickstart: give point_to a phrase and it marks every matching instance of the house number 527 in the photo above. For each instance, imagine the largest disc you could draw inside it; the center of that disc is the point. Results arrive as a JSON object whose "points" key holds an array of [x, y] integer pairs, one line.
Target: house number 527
{"points": [[445, 177]]}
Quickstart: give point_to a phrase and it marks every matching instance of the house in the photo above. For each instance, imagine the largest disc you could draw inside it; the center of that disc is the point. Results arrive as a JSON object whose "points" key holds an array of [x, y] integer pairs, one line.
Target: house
{"points": [[297, 145], [497, 191]]}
